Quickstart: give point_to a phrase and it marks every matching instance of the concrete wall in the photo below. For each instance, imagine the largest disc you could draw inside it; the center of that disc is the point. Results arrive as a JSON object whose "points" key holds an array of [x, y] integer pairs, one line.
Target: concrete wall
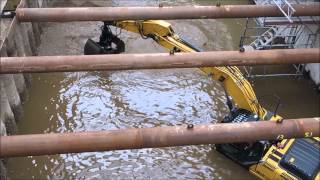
{"points": [[16, 39]]}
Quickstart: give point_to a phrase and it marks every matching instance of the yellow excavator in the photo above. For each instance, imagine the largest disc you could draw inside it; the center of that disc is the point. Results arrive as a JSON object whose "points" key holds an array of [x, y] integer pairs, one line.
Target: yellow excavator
{"points": [[279, 159]]}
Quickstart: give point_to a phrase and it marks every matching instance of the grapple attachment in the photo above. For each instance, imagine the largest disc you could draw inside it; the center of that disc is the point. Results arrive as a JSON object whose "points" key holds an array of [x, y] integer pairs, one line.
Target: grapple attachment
{"points": [[108, 43]]}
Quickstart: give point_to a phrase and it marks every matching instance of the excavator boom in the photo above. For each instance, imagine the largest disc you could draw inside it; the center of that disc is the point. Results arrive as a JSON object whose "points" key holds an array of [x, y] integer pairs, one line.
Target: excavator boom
{"points": [[231, 78]]}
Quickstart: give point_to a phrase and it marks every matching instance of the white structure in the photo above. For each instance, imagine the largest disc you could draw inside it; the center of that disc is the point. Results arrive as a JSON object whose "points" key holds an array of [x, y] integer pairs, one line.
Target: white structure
{"points": [[2, 4], [288, 32]]}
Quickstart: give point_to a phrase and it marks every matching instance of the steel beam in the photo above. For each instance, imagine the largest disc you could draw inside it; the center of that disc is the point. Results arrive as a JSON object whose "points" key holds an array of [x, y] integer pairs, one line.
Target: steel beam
{"points": [[36, 64], [160, 13], [48, 144]]}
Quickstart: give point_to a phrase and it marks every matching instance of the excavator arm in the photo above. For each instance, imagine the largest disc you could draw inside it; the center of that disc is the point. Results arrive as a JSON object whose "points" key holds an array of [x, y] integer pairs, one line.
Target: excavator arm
{"points": [[236, 86]]}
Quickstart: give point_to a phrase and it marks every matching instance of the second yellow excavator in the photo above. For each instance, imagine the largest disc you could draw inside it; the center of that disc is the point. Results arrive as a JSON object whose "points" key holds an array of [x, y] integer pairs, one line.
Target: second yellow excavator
{"points": [[279, 159]]}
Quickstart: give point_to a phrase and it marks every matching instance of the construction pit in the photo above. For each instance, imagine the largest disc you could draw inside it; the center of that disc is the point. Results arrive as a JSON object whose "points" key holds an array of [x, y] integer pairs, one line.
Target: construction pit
{"points": [[67, 102]]}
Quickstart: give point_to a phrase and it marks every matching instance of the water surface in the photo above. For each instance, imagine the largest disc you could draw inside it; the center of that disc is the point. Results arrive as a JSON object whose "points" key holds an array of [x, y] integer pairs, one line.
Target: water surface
{"points": [[92, 101]]}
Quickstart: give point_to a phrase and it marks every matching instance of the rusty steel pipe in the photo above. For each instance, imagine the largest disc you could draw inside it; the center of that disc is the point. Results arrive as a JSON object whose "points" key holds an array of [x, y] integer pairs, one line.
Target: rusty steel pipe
{"points": [[48, 144], [154, 13], [36, 64]]}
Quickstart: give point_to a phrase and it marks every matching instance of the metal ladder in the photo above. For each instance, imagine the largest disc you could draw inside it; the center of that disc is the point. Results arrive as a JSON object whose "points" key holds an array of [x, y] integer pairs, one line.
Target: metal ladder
{"points": [[268, 39], [265, 39]]}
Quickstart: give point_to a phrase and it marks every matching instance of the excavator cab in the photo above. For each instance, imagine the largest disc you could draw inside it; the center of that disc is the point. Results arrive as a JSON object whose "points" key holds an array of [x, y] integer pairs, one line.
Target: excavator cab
{"points": [[290, 159], [246, 153], [279, 159]]}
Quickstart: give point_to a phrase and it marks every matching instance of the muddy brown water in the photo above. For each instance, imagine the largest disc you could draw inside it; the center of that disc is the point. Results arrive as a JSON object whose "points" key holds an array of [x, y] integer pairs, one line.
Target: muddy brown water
{"points": [[91, 101]]}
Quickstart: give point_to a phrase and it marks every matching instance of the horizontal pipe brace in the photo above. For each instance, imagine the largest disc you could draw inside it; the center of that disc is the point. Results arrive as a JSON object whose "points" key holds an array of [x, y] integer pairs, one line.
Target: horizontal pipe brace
{"points": [[40, 64], [137, 138], [157, 13]]}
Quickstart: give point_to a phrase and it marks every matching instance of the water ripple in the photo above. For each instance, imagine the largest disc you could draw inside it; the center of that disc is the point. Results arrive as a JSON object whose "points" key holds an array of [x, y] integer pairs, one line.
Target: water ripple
{"points": [[92, 101]]}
